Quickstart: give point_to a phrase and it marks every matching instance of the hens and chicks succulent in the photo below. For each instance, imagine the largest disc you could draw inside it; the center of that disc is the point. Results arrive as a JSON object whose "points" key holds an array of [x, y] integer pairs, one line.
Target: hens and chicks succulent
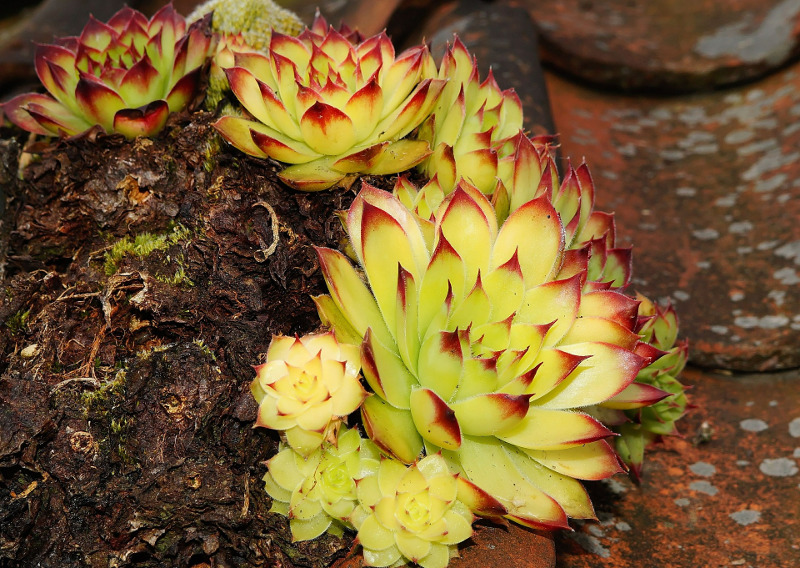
{"points": [[485, 310]]}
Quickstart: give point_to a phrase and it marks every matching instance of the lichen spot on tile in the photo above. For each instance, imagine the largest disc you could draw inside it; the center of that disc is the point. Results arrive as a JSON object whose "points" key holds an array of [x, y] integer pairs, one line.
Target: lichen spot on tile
{"points": [[705, 234], [753, 425], [796, 453], [778, 467], [786, 276], [615, 486], [682, 502], [703, 487], [794, 428], [590, 544], [703, 469], [790, 250], [746, 517]]}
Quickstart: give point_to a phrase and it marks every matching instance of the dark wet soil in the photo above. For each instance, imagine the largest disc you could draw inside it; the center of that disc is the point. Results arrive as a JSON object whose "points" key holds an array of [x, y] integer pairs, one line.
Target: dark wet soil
{"points": [[140, 282]]}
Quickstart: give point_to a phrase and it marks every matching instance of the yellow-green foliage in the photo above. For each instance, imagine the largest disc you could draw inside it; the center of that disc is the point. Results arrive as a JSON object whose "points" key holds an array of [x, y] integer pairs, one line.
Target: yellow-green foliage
{"points": [[18, 323], [141, 246], [100, 398]]}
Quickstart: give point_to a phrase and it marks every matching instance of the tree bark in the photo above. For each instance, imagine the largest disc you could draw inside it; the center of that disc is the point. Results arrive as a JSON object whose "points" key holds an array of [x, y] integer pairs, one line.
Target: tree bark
{"points": [[142, 280]]}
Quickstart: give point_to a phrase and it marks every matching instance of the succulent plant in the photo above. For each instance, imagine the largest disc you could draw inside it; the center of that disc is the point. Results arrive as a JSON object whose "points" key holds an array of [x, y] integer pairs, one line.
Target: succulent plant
{"points": [[649, 407], [306, 386], [411, 513], [332, 108], [469, 124], [474, 348], [126, 76], [646, 425], [318, 492], [243, 26]]}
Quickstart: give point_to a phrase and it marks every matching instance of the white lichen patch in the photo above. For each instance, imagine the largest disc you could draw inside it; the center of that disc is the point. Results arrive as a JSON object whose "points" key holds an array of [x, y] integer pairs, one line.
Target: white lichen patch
{"points": [[719, 329], [786, 276], [753, 425], [777, 296], [740, 227], [590, 544], [596, 531], [726, 201], [740, 136], [757, 147], [703, 487], [703, 469], [779, 467], [615, 486], [686, 191], [770, 162], [764, 322], [794, 428], [770, 184], [746, 516], [682, 502], [790, 250], [707, 234]]}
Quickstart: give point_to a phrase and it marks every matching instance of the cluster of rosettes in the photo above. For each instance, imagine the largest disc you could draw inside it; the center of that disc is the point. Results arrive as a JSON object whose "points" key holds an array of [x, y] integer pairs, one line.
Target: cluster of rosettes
{"points": [[486, 310], [496, 338]]}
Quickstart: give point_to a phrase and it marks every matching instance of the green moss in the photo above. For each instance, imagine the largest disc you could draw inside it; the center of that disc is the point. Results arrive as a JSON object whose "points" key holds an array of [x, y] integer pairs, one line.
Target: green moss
{"points": [[18, 323], [167, 541], [212, 148], [180, 277], [141, 246], [100, 398], [204, 349], [120, 426]]}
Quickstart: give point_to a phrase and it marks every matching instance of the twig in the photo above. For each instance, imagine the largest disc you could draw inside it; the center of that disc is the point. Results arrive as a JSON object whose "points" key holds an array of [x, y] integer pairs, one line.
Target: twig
{"points": [[268, 251]]}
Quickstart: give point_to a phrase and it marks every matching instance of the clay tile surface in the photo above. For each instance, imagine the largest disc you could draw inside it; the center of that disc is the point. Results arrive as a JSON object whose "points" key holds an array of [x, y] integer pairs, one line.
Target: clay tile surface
{"points": [[494, 546], [728, 494], [667, 45], [707, 189]]}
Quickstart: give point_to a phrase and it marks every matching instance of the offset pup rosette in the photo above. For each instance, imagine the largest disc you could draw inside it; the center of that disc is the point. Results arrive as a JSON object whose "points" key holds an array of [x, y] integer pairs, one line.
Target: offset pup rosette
{"points": [[474, 346], [330, 107], [307, 385], [126, 76]]}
